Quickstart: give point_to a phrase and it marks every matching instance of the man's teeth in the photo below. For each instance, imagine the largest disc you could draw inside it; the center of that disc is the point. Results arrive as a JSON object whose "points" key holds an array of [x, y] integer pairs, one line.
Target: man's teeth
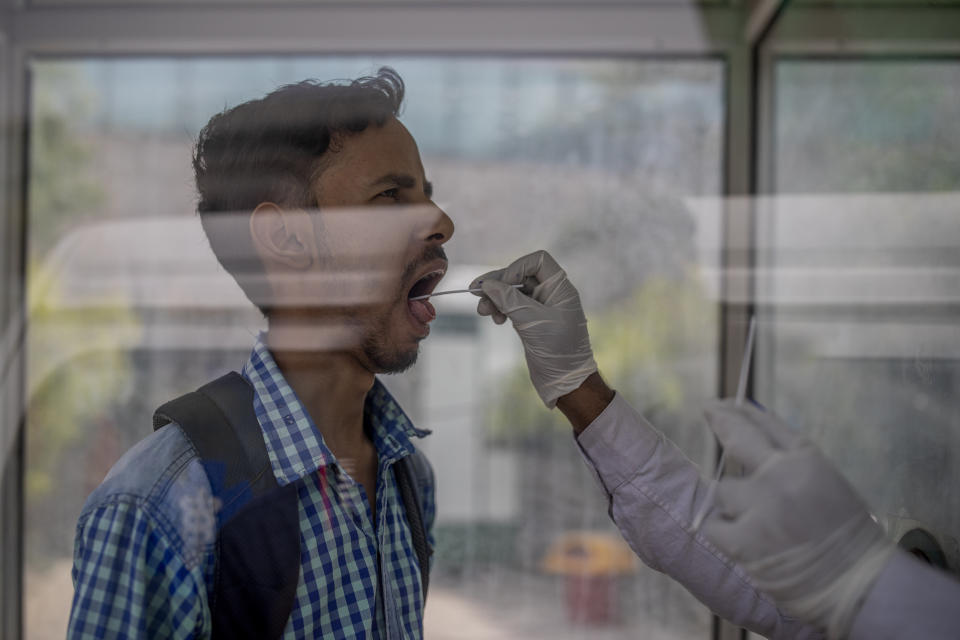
{"points": [[438, 273]]}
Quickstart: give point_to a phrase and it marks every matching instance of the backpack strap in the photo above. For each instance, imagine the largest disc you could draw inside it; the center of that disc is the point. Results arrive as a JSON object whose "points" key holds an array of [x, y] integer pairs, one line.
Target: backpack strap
{"points": [[218, 419], [410, 478], [258, 542]]}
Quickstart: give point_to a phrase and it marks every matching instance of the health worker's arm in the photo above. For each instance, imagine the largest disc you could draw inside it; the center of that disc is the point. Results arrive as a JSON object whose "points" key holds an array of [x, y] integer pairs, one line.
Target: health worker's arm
{"points": [[654, 492], [909, 600], [653, 489], [807, 539]]}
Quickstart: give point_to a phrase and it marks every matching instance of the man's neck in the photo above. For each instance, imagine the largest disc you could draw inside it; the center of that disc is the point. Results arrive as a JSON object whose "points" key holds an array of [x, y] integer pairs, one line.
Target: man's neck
{"points": [[332, 385]]}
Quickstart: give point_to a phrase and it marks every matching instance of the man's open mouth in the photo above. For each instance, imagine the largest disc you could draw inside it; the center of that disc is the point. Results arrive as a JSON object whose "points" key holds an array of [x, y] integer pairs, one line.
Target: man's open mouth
{"points": [[422, 310]]}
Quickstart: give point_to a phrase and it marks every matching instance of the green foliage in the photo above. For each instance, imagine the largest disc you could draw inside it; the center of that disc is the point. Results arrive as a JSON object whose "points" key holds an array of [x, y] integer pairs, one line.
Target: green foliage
{"points": [[61, 187], [78, 369], [66, 404], [76, 365], [519, 417], [642, 345]]}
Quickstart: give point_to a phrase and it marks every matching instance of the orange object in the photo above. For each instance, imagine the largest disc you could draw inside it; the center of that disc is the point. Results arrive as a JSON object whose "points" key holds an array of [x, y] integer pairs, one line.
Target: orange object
{"points": [[591, 562], [589, 553]]}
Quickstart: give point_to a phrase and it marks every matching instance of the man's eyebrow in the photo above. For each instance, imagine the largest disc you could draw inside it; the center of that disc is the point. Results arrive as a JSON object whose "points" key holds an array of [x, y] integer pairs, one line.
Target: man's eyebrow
{"points": [[404, 181]]}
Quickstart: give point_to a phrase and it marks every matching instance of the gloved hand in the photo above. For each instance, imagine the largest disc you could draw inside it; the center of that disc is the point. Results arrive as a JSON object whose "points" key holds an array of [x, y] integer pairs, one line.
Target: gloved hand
{"points": [[793, 522], [550, 321]]}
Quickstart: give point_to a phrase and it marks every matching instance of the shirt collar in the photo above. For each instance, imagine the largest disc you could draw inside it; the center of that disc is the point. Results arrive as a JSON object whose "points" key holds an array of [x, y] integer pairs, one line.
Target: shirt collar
{"points": [[294, 445]]}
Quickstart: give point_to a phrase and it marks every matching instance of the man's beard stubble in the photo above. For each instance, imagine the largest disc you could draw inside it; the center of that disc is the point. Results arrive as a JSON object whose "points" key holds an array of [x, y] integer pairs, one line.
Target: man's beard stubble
{"points": [[384, 358], [385, 361]]}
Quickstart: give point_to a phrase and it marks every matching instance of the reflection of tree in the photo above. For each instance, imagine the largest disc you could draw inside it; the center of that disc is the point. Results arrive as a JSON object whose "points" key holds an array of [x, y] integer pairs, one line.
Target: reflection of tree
{"points": [[655, 347], [60, 186], [78, 372], [629, 250], [69, 396], [76, 369], [652, 346]]}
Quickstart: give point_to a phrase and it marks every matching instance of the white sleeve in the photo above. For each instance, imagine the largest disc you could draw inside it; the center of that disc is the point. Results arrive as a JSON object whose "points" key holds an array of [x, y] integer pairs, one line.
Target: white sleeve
{"points": [[654, 492], [909, 600]]}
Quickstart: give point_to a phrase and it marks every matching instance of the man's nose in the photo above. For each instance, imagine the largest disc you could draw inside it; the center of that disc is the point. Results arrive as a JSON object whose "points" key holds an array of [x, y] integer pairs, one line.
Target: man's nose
{"points": [[441, 228]]}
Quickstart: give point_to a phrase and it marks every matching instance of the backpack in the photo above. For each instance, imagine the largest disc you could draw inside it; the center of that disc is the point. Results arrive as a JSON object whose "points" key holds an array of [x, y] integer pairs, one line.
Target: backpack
{"points": [[258, 539]]}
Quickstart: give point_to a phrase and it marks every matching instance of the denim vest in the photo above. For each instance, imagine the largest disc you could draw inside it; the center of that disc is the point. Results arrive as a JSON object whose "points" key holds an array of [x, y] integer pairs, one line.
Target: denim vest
{"points": [[164, 476]]}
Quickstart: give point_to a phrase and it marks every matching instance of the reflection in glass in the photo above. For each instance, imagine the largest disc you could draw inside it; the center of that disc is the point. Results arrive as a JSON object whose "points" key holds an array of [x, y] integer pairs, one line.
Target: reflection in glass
{"points": [[596, 160], [859, 275]]}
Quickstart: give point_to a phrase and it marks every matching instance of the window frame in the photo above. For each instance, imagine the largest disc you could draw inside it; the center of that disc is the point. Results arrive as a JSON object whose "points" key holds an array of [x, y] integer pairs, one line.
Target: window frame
{"points": [[470, 27], [747, 35]]}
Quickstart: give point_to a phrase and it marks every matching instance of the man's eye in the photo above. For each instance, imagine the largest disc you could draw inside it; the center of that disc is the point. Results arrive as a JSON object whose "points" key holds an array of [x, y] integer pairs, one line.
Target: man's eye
{"points": [[393, 193]]}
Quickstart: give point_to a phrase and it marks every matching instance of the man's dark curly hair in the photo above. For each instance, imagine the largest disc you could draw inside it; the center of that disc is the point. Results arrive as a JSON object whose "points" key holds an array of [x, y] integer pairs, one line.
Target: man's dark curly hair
{"points": [[270, 150]]}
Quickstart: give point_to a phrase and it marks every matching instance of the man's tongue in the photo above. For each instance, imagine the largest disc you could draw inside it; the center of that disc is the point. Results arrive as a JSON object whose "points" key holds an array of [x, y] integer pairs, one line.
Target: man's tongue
{"points": [[422, 310]]}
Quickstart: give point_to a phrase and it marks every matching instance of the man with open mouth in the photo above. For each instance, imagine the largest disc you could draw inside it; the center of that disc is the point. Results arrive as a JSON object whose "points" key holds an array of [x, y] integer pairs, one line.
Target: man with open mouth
{"points": [[314, 198]]}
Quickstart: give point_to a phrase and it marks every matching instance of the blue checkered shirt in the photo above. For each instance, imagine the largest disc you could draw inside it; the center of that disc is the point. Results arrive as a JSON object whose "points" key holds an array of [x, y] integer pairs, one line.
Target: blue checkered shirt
{"points": [[144, 565]]}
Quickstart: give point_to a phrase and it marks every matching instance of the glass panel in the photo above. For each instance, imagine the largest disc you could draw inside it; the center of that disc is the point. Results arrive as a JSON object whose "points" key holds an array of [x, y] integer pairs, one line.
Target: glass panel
{"points": [[453, 3], [860, 266], [598, 160], [875, 3]]}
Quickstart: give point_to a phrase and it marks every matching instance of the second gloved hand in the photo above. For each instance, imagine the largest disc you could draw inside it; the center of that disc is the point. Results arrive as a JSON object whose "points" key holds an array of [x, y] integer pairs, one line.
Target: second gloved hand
{"points": [[792, 521], [550, 321]]}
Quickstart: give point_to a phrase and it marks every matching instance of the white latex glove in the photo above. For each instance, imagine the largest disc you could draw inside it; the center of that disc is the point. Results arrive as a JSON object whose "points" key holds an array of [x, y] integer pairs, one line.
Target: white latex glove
{"points": [[550, 321], [793, 522]]}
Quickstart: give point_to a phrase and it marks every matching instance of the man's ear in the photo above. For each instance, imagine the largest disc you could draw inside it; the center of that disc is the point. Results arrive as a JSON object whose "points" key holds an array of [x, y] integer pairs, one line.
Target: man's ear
{"points": [[282, 237]]}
